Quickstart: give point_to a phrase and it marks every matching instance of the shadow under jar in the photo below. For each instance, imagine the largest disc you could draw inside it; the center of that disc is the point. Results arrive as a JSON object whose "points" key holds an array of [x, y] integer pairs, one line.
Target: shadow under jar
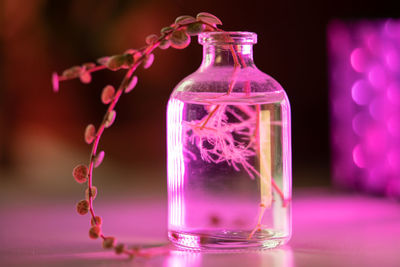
{"points": [[229, 151]]}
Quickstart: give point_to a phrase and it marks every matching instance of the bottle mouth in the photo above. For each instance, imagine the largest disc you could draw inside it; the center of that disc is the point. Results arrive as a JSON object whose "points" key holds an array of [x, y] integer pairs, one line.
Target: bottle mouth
{"points": [[227, 38]]}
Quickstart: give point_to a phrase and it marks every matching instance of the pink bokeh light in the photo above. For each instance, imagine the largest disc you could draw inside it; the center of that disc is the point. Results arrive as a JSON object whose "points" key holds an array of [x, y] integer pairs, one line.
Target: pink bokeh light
{"points": [[359, 60], [365, 104], [361, 92]]}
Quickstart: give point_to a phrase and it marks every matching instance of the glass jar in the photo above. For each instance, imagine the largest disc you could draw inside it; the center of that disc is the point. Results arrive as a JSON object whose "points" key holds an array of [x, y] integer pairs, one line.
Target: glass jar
{"points": [[229, 151]]}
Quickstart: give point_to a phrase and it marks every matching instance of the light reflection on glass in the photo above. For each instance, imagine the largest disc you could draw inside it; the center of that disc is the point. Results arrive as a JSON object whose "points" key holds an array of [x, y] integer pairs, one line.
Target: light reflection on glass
{"points": [[183, 258], [278, 257], [176, 167]]}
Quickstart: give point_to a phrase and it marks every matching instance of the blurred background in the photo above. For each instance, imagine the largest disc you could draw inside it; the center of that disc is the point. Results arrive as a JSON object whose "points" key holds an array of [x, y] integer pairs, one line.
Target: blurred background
{"points": [[41, 133]]}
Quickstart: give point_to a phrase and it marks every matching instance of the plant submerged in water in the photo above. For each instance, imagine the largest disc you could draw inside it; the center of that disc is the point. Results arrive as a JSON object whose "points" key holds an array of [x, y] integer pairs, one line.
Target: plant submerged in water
{"points": [[177, 35]]}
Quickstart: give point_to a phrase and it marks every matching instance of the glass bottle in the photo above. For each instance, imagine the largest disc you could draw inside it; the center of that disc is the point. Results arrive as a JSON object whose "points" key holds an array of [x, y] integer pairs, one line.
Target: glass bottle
{"points": [[229, 151]]}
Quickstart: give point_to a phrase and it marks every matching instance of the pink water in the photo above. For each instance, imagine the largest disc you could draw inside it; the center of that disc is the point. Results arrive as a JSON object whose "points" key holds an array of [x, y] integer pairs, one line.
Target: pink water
{"points": [[225, 153]]}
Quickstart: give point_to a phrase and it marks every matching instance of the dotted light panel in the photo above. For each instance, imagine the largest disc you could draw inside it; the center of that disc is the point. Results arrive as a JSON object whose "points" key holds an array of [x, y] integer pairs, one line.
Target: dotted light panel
{"points": [[364, 74]]}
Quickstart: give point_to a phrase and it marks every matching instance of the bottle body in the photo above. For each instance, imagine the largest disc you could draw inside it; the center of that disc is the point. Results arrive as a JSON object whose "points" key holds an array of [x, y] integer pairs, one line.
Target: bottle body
{"points": [[229, 160]]}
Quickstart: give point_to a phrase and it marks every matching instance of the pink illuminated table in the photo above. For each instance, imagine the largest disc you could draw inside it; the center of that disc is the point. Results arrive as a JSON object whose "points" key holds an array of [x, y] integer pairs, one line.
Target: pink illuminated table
{"points": [[330, 229]]}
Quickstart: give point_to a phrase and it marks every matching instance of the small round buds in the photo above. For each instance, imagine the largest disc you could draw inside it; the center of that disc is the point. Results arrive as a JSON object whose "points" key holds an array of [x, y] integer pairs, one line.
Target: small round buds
{"points": [[166, 30], [148, 61], [85, 77], [195, 28], [90, 133], [130, 51], [164, 44], [108, 242], [110, 118], [80, 173], [208, 18], [94, 232], [119, 61], [103, 60], [151, 39], [98, 159], [179, 39], [82, 207], [182, 20], [108, 94], [93, 193], [88, 65], [131, 84], [137, 56], [97, 221], [119, 249], [72, 72]]}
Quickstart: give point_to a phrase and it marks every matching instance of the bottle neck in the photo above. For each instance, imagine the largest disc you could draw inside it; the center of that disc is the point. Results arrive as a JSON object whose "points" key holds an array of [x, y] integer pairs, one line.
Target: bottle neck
{"points": [[227, 55]]}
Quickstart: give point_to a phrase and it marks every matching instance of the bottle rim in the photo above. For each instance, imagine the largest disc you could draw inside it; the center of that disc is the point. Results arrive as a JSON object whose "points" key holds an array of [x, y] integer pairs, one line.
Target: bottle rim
{"points": [[230, 37]]}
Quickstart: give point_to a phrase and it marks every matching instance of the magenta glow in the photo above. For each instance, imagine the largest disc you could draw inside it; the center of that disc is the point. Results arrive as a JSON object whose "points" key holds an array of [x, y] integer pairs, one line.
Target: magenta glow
{"points": [[364, 77]]}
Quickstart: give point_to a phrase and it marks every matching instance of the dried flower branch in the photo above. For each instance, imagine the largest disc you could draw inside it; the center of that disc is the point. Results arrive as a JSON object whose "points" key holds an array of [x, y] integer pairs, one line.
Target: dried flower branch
{"points": [[176, 35]]}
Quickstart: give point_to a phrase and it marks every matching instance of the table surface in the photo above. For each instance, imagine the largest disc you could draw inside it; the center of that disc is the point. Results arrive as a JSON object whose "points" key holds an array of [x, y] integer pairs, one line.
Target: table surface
{"points": [[329, 229]]}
